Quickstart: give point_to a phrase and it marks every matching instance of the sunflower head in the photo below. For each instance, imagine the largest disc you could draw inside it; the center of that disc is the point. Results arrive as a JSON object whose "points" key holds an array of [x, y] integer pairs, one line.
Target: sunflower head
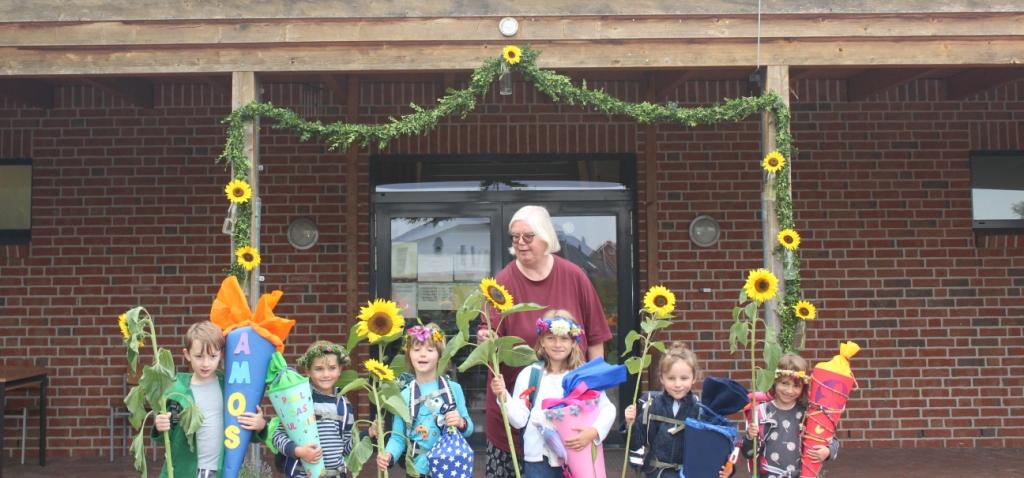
{"points": [[380, 319], [496, 294], [248, 257], [773, 162], [659, 301], [512, 54], [805, 310], [122, 323], [789, 239], [761, 285], [379, 369], [238, 191]]}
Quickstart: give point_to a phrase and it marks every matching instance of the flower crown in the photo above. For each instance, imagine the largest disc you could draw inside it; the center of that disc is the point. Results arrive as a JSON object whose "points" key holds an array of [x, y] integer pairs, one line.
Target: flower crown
{"points": [[423, 334], [560, 326], [798, 374], [323, 348]]}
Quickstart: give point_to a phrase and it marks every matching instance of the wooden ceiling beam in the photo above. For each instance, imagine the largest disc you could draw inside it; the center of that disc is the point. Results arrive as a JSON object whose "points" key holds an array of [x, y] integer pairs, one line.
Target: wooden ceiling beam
{"points": [[974, 81], [137, 91], [303, 31], [870, 82], [640, 55], [32, 92]]}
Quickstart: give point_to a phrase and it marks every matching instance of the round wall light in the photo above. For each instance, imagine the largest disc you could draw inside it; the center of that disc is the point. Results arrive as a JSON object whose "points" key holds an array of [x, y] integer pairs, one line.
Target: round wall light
{"points": [[704, 231], [508, 26], [303, 233]]}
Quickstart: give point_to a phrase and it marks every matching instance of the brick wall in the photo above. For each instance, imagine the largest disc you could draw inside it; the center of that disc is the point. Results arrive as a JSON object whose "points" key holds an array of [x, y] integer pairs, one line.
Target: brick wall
{"points": [[128, 203]]}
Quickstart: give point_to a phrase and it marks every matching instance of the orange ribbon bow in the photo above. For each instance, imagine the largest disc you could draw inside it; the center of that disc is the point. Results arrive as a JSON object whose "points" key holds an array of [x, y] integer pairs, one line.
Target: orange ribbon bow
{"points": [[230, 311]]}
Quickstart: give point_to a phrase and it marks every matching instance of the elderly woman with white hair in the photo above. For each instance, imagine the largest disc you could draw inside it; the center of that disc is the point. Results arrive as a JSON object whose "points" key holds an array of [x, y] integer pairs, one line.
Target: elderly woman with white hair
{"points": [[538, 275]]}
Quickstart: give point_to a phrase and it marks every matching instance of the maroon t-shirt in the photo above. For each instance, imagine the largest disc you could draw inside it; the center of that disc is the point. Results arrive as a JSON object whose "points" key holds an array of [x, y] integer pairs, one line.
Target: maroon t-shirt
{"points": [[566, 287]]}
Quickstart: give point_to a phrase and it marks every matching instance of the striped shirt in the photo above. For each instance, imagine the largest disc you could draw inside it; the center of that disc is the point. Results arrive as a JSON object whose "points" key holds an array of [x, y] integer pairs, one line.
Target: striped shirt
{"points": [[335, 436]]}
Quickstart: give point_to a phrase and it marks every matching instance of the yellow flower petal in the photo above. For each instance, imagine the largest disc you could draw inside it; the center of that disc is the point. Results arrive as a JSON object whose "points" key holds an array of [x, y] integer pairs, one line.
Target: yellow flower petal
{"points": [[248, 257], [788, 239], [380, 319], [773, 162], [496, 294], [805, 310], [379, 369], [512, 54], [238, 191]]}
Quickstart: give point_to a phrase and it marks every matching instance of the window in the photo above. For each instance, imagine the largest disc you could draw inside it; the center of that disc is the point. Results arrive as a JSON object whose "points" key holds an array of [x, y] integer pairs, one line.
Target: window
{"points": [[16, 198], [997, 190]]}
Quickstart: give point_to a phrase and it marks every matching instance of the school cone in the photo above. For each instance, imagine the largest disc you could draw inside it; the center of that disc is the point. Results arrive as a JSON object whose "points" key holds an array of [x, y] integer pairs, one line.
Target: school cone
{"points": [[831, 383]]}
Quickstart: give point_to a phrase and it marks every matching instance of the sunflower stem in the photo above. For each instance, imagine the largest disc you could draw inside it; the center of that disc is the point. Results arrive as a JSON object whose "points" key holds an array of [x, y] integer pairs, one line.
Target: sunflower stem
{"points": [[162, 406], [495, 364], [380, 424], [753, 383]]}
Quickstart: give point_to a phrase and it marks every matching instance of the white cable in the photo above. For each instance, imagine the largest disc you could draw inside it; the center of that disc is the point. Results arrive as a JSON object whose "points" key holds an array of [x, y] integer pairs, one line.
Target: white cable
{"points": [[758, 34]]}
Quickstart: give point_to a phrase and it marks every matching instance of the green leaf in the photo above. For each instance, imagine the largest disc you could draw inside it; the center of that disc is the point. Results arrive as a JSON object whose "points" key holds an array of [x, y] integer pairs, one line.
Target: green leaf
{"points": [[751, 310], [389, 388], [138, 450], [647, 325], [764, 380], [661, 324], [631, 337], [518, 356], [154, 385], [190, 420], [523, 307], [165, 363], [658, 345], [353, 338], [346, 377], [396, 405], [136, 403], [736, 313], [358, 383], [399, 364], [469, 310], [636, 364], [739, 332], [480, 355], [450, 349], [361, 452], [743, 296], [772, 353]]}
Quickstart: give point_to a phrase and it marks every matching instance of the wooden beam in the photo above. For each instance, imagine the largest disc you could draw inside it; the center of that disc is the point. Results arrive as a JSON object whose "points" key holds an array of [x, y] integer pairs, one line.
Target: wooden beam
{"points": [[31, 92], [776, 80], [352, 214], [245, 88], [285, 31], [651, 187], [447, 57], [864, 85], [337, 85], [974, 81], [136, 91], [130, 10]]}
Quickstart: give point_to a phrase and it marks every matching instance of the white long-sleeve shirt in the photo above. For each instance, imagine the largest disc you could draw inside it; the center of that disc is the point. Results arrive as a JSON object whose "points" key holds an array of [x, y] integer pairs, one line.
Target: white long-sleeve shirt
{"points": [[550, 386]]}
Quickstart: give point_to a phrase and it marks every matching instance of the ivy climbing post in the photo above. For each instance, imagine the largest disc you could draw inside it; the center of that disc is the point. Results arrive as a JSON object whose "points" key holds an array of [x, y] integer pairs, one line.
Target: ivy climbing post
{"points": [[244, 90]]}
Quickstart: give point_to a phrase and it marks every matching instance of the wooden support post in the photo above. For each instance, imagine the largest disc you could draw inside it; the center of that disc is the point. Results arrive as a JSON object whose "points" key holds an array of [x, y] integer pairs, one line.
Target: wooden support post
{"points": [[352, 207], [244, 90], [651, 188], [777, 80]]}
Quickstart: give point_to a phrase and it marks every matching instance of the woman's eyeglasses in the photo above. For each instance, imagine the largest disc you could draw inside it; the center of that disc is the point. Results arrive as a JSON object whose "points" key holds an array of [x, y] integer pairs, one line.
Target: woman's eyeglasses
{"points": [[525, 238]]}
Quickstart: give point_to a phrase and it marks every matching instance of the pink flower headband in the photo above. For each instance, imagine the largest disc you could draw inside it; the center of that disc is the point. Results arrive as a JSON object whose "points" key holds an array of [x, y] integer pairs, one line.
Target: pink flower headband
{"points": [[424, 334], [560, 326]]}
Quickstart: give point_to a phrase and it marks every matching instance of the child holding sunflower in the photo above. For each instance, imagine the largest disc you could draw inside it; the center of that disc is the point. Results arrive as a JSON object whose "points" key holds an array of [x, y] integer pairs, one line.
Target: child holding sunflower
{"points": [[322, 363], [435, 402], [558, 347]]}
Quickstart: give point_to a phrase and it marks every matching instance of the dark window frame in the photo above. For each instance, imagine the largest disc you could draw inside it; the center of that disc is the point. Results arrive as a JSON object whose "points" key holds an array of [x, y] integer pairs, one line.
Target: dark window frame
{"points": [[993, 224]]}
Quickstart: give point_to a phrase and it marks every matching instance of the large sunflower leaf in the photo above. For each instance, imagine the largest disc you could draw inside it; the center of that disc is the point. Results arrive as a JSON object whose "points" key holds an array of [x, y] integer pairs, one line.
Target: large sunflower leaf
{"points": [[750, 310], [518, 356], [190, 420], [469, 310], [165, 363], [136, 403], [153, 384], [450, 349], [480, 355], [358, 383], [523, 307], [739, 332], [631, 337], [346, 377], [353, 338], [138, 449], [635, 364], [396, 405], [361, 452], [658, 345], [399, 364], [764, 380]]}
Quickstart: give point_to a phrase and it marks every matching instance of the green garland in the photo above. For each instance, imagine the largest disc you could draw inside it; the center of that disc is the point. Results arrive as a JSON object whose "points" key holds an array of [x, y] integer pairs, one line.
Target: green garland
{"points": [[559, 88]]}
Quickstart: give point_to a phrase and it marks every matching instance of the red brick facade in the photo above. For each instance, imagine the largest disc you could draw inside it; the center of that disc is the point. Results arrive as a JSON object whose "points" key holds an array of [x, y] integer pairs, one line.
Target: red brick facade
{"points": [[128, 204]]}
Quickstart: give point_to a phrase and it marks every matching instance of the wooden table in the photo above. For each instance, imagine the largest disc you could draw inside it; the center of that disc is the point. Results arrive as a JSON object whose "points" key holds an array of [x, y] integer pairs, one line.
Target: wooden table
{"points": [[17, 377]]}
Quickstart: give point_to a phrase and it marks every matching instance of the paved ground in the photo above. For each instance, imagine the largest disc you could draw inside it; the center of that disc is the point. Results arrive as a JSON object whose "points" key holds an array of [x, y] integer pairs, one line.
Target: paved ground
{"points": [[852, 463]]}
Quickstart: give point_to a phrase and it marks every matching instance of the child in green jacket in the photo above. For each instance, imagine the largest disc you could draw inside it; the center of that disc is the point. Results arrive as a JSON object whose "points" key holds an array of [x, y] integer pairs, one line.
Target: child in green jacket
{"points": [[204, 387]]}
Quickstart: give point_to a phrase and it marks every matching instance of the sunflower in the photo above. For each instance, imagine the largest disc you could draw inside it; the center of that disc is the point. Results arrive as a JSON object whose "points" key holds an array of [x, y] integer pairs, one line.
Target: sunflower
{"points": [[659, 301], [122, 323], [248, 257], [512, 54], [805, 310], [773, 162], [496, 294], [789, 239], [380, 319], [238, 191], [382, 371], [761, 285]]}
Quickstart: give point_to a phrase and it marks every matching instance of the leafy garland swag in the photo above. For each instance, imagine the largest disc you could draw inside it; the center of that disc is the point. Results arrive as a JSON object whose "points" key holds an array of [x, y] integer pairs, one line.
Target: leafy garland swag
{"points": [[559, 88]]}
